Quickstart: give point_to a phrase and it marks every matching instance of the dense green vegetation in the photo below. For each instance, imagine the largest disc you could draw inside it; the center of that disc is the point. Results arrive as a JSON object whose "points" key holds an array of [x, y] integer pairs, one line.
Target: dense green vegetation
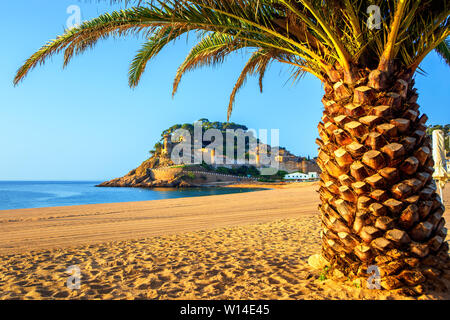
{"points": [[189, 175], [156, 148], [241, 171], [206, 125], [445, 128], [246, 171]]}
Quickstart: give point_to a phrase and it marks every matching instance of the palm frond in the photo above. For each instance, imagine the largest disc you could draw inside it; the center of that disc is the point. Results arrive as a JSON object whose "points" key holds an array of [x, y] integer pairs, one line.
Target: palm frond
{"points": [[257, 63], [150, 49], [386, 58], [210, 50], [310, 35], [78, 39], [195, 15], [443, 49]]}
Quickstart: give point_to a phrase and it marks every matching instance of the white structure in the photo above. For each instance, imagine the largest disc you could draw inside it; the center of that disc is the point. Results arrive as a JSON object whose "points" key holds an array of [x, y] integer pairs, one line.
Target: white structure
{"points": [[301, 176], [440, 172], [313, 175]]}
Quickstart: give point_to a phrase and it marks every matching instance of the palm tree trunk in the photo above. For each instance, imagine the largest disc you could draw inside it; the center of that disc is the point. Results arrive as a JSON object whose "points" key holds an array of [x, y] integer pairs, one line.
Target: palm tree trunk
{"points": [[379, 205]]}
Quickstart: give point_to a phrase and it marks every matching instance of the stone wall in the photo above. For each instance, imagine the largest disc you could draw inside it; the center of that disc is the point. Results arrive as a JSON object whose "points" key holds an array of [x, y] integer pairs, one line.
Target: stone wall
{"points": [[169, 173], [165, 174], [310, 166]]}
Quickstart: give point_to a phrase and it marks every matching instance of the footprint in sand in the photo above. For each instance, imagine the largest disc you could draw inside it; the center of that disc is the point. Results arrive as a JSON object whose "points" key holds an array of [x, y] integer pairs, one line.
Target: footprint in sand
{"points": [[289, 279], [272, 280], [155, 284], [45, 293], [105, 290], [61, 294]]}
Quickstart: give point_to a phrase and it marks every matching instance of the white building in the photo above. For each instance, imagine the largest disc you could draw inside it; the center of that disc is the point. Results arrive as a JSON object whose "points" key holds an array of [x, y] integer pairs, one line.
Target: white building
{"points": [[301, 176], [313, 175]]}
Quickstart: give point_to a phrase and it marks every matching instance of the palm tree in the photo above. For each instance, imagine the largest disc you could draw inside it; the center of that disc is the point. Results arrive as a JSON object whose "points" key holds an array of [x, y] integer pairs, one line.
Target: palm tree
{"points": [[379, 204]]}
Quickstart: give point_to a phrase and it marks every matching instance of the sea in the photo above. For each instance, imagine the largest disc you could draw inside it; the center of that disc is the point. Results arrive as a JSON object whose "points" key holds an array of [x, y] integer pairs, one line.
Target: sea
{"points": [[39, 194]]}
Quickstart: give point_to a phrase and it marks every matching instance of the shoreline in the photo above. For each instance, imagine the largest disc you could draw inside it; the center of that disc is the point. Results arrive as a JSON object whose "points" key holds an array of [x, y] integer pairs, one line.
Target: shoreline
{"points": [[62, 226], [51, 227], [225, 184], [174, 194], [256, 186], [271, 185]]}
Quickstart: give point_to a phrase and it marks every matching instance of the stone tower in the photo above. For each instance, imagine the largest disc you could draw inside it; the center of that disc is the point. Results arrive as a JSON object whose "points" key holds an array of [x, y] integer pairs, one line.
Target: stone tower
{"points": [[167, 147], [213, 156], [257, 158]]}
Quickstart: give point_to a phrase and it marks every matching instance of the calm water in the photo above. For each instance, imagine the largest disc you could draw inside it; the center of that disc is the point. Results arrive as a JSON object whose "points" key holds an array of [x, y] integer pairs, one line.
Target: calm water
{"points": [[37, 194]]}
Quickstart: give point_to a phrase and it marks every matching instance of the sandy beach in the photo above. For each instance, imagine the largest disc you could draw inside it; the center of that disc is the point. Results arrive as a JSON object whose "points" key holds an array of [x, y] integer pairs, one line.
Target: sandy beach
{"points": [[239, 246]]}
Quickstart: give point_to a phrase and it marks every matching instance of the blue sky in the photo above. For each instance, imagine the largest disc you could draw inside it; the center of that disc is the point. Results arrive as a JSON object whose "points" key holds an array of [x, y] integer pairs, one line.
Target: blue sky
{"points": [[85, 123]]}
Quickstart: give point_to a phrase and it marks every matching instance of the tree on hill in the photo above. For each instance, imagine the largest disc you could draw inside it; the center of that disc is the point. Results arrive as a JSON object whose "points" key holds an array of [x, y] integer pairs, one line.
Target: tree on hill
{"points": [[156, 148], [206, 125]]}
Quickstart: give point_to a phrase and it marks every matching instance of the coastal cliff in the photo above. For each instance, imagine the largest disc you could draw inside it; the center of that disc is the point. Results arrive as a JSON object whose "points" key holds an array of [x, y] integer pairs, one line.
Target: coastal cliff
{"points": [[147, 176], [144, 176], [160, 171]]}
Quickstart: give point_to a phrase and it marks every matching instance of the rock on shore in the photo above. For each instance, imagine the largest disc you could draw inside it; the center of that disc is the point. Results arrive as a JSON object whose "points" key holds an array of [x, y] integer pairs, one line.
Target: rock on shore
{"points": [[142, 176]]}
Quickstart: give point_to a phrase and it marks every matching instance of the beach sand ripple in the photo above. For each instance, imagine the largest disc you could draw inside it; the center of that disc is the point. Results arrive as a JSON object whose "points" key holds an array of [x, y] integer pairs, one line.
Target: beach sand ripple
{"points": [[258, 261], [241, 246]]}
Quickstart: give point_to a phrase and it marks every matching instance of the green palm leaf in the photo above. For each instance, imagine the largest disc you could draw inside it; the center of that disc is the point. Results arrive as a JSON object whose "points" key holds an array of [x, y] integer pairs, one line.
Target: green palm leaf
{"points": [[257, 63], [443, 49], [311, 35], [210, 50], [149, 50]]}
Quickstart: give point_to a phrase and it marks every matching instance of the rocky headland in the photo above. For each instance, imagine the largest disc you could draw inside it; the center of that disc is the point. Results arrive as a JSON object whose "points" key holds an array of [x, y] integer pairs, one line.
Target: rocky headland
{"points": [[160, 171]]}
